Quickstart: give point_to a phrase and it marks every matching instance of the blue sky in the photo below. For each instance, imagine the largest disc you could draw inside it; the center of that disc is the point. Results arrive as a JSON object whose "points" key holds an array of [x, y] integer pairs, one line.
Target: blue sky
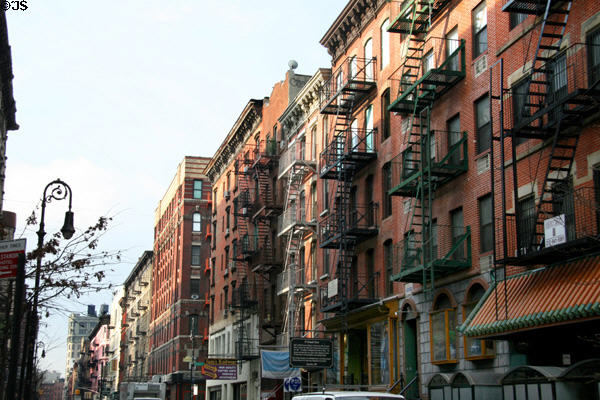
{"points": [[111, 96]]}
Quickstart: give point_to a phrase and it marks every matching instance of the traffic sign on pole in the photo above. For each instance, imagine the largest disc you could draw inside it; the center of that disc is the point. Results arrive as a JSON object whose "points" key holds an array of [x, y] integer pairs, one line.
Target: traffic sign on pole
{"points": [[9, 257]]}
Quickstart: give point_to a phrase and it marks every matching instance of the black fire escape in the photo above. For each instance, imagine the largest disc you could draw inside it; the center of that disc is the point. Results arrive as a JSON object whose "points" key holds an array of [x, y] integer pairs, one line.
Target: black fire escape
{"points": [[246, 291], [560, 95], [347, 223]]}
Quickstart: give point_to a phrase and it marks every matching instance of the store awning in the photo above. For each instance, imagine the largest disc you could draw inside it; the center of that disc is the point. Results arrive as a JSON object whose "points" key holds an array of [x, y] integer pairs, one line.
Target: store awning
{"points": [[557, 294]]}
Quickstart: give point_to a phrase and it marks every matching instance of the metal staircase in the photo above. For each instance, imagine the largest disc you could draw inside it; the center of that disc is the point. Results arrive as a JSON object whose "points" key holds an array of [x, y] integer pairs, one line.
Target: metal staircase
{"points": [[430, 158], [350, 150], [558, 98]]}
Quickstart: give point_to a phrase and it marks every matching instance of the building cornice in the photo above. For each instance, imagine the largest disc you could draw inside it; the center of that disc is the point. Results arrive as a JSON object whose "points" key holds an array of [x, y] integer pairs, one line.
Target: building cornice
{"points": [[349, 24], [243, 127], [305, 103]]}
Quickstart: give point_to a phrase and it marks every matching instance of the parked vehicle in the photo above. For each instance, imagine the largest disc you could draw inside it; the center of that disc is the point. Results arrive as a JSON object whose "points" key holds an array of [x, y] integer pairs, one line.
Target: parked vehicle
{"points": [[347, 396]]}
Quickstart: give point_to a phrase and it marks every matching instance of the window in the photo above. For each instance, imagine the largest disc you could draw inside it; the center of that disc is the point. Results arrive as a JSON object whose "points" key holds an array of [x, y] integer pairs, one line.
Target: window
{"points": [[369, 60], [482, 120], [442, 322], [380, 353], [388, 259], [369, 200], [527, 226], [352, 67], [458, 232], [431, 245], [593, 40], [313, 143], [452, 55], [227, 217], [313, 261], [194, 287], [325, 194], [194, 325], [385, 115], [195, 255], [480, 40], [387, 185], [369, 142], [385, 44], [454, 136], [325, 132], [301, 267], [325, 261], [520, 111], [476, 348], [197, 189], [214, 233], [485, 224], [370, 256], [313, 201], [515, 19], [196, 222]]}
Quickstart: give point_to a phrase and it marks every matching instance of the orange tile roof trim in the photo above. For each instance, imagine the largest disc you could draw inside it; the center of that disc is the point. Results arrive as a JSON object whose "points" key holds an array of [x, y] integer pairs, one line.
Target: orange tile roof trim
{"points": [[555, 294]]}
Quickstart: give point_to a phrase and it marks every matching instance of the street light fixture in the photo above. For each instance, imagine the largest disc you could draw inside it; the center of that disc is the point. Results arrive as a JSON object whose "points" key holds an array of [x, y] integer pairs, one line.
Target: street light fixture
{"points": [[59, 190]]}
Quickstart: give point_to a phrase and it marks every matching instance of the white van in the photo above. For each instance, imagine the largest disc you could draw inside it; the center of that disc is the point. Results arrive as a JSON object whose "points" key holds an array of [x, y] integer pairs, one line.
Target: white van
{"points": [[348, 396]]}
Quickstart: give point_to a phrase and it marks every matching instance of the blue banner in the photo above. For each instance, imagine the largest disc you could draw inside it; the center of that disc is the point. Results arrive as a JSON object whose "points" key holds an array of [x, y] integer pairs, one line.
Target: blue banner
{"points": [[276, 365]]}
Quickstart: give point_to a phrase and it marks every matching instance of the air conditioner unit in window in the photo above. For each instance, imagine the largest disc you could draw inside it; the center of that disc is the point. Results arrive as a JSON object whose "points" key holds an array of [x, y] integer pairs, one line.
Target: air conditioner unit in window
{"points": [[194, 297], [227, 231], [244, 211], [226, 194]]}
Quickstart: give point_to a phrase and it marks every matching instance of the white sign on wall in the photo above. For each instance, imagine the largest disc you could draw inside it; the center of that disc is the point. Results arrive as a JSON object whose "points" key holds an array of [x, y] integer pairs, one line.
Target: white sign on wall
{"points": [[332, 288], [554, 230]]}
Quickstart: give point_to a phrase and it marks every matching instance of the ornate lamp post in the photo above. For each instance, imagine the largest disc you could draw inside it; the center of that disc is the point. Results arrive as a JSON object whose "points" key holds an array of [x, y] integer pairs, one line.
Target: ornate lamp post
{"points": [[55, 190]]}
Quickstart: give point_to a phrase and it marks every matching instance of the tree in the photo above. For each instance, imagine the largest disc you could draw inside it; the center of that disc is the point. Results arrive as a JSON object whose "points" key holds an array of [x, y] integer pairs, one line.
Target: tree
{"points": [[69, 269]]}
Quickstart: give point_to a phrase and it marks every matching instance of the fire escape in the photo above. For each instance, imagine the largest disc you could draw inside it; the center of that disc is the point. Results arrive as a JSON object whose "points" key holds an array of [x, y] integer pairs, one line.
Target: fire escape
{"points": [[267, 259], [245, 297], [430, 157], [561, 92], [294, 225], [347, 223]]}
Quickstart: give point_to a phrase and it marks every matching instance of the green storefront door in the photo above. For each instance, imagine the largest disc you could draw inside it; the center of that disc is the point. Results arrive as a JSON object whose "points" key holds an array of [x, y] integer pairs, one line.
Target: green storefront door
{"points": [[410, 357]]}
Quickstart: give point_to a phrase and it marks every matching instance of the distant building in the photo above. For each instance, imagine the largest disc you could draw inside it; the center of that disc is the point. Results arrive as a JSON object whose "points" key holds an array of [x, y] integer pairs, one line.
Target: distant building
{"points": [[52, 389], [114, 346], [180, 301], [80, 326], [98, 353], [135, 306]]}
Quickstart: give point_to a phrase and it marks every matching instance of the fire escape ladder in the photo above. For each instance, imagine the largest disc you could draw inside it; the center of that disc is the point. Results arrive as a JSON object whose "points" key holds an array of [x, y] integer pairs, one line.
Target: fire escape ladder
{"points": [[294, 241], [552, 31], [413, 51], [556, 179]]}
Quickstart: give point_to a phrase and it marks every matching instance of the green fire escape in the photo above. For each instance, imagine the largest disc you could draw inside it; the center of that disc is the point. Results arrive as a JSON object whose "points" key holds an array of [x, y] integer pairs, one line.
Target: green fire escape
{"points": [[430, 157]]}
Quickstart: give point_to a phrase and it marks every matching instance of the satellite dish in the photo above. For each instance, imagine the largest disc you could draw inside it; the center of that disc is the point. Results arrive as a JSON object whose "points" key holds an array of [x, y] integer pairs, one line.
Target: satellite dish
{"points": [[292, 64]]}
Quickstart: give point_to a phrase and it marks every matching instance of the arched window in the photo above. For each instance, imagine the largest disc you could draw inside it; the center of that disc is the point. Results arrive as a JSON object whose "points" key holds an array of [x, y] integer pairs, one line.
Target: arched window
{"points": [[196, 222], [476, 348], [442, 328], [369, 60], [385, 115], [385, 44]]}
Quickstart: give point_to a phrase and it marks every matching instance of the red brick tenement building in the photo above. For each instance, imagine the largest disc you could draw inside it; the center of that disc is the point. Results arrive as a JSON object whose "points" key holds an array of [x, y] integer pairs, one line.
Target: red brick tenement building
{"points": [[180, 285], [462, 150], [246, 251]]}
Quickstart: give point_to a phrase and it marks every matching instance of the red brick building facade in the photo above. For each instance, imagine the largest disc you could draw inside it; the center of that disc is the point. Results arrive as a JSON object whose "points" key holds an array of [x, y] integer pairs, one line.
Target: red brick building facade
{"points": [[180, 285]]}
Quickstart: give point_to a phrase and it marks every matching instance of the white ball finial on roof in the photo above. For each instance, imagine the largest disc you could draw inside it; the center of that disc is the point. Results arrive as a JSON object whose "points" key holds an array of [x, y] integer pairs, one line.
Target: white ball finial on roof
{"points": [[292, 64]]}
